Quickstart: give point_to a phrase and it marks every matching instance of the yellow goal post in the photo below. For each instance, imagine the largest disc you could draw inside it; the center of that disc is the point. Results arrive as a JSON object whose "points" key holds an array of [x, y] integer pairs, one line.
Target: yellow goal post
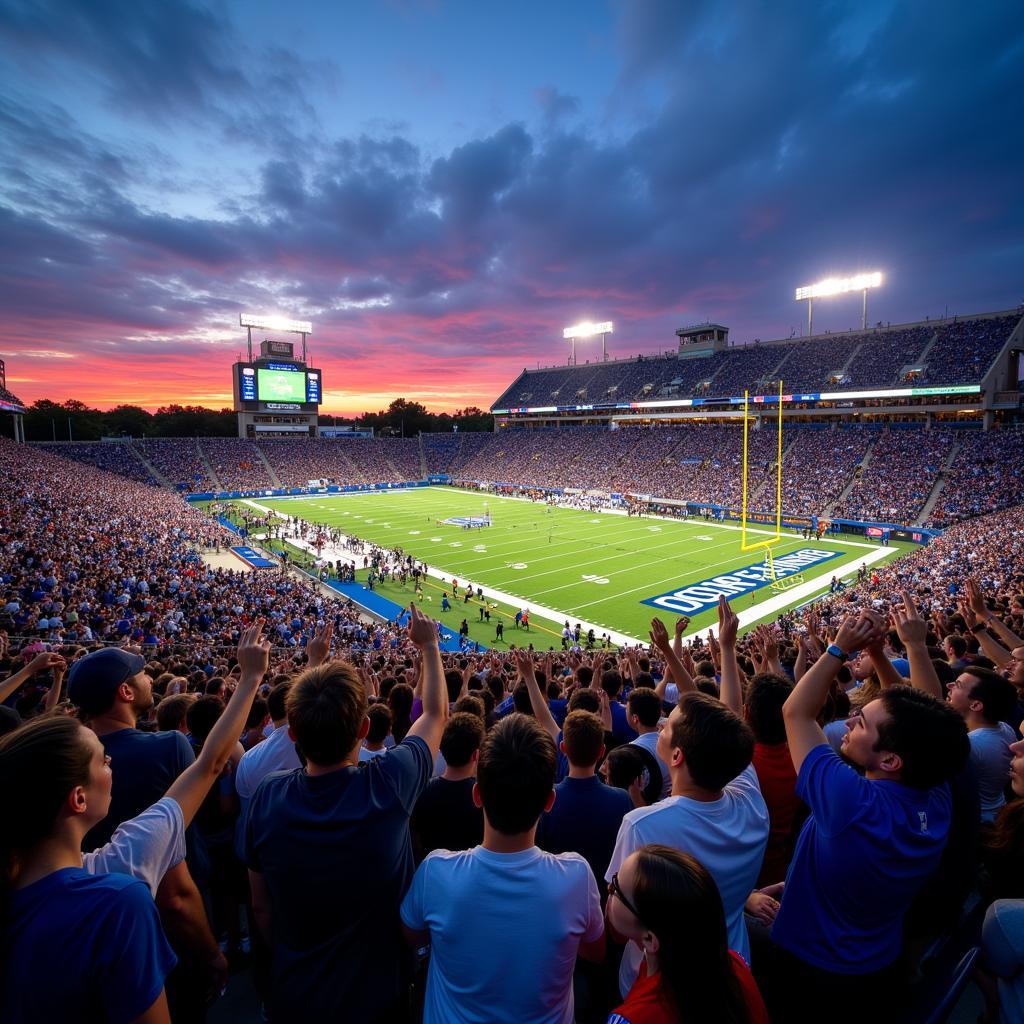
{"points": [[771, 541]]}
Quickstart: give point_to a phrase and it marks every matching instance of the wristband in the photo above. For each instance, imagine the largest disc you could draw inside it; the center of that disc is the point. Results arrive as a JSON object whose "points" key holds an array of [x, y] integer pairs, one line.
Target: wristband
{"points": [[979, 627], [837, 652]]}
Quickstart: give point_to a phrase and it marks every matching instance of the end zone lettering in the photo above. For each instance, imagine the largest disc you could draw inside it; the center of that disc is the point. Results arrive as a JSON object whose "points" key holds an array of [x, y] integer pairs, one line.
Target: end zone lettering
{"points": [[698, 597]]}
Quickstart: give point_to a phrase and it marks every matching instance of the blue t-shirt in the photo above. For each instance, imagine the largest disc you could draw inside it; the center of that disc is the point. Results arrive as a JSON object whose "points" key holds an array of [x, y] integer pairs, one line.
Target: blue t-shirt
{"points": [[336, 858], [81, 947], [863, 854], [585, 819]]}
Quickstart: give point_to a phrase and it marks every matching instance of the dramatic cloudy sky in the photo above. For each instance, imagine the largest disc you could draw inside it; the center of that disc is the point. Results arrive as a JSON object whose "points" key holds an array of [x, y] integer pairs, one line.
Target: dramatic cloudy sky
{"points": [[442, 186]]}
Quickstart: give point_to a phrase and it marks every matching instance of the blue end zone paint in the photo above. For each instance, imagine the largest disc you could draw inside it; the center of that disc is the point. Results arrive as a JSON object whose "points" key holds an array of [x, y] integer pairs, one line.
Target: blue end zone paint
{"points": [[698, 597], [467, 521], [373, 602], [252, 557]]}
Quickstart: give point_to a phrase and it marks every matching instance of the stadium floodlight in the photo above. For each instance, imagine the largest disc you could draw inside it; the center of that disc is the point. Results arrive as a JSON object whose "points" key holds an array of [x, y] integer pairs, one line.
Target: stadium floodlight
{"points": [[838, 286], [586, 329], [275, 323]]}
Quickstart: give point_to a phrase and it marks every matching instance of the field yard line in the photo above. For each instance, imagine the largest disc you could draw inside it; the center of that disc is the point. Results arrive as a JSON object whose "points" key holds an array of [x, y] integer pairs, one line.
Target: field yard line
{"points": [[666, 554], [682, 577], [550, 614], [788, 597]]}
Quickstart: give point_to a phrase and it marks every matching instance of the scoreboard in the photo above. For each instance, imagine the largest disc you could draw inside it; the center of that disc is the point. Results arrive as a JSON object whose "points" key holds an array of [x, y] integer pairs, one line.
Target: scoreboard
{"points": [[276, 386]]}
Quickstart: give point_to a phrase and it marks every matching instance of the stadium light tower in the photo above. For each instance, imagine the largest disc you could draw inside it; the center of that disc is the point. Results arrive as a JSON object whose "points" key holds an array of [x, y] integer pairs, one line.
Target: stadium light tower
{"points": [[838, 286], [588, 330]]}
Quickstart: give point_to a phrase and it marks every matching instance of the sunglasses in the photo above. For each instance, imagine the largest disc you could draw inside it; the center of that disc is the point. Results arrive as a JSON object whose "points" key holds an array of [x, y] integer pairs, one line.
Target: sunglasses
{"points": [[614, 889]]}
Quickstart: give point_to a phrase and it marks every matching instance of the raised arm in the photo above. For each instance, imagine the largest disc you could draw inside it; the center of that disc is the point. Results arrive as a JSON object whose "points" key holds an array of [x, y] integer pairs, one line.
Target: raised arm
{"points": [[538, 701], [728, 625], [677, 641], [40, 663], [803, 705], [991, 620], [659, 637], [430, 725], [913, 632], [193, 785]]}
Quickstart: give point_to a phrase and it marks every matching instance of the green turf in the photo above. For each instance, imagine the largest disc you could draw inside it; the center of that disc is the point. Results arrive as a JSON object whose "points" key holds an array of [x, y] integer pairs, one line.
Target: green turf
{"points": [[588, 566]]}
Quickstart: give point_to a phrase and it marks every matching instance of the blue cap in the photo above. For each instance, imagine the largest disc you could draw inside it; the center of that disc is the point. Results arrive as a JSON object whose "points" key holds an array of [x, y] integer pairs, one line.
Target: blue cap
{"points": [[94, 679]]}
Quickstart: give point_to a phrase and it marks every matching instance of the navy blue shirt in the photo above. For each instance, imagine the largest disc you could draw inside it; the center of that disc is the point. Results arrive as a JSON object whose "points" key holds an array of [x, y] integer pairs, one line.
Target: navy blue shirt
{"points": [[336, 858], [81, 947], [144, 764], [585, 819]]}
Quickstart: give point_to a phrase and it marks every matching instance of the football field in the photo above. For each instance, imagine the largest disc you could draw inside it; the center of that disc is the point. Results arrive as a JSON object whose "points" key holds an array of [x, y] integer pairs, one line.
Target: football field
{"points": [[609, 570]]}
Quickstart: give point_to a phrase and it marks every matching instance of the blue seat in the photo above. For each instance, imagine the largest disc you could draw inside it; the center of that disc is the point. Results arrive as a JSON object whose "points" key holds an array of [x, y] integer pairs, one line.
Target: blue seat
{"points": [[960, 979]]}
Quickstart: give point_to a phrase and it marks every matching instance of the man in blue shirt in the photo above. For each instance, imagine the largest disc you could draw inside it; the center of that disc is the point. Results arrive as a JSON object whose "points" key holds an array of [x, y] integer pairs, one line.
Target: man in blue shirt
{"points": [[872, 840], [586, 815], [329, 851]]}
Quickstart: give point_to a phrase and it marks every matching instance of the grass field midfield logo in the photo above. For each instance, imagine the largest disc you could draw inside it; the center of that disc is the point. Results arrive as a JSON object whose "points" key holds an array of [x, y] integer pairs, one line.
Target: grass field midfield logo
{"points": [[699, 597]]}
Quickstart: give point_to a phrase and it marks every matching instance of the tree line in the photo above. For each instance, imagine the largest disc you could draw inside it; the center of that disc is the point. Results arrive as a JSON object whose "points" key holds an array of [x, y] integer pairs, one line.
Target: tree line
{"points": [[76, 421]]}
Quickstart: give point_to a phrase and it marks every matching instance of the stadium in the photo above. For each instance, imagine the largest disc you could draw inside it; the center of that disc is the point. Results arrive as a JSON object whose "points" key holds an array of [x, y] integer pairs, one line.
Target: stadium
{"points": [[511, 514]]}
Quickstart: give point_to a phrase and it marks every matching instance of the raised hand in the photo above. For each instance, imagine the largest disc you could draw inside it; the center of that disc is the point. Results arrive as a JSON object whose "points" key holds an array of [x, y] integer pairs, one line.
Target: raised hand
{"points": [[421, 628], [910, 626], [45, 661], [728, 623], [681, 623], [605, 710], [319, 647], [524, 662], [253, 651], [976, 599], [659, 635], [855, 633]]}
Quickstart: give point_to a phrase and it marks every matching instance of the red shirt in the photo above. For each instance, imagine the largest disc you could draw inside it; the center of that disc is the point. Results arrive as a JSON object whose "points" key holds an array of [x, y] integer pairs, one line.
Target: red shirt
{"points": [[646, 1004], [777, 779]]}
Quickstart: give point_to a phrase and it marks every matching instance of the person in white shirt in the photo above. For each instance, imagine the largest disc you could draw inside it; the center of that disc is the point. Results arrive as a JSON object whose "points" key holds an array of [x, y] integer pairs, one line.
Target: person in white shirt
{"points": [[716, 812], [505, 921]]}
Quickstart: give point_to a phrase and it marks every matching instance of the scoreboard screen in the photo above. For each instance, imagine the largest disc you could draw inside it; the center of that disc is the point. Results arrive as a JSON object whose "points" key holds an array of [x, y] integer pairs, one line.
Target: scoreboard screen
{"points": [[278, 385]]}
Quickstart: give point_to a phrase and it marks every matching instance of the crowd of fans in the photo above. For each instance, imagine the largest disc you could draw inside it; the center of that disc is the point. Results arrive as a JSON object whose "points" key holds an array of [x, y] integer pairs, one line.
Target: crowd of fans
{"points": [[696, 462], [211, 769]]}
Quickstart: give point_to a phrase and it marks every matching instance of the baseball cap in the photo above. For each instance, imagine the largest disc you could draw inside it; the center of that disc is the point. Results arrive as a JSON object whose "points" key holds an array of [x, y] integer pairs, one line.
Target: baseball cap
{"points": [[94, 679]]}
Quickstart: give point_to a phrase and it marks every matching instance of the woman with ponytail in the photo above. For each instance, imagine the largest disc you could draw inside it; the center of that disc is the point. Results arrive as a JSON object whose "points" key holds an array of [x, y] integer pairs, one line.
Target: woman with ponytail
{"points": [[668, 904], [80, 937]]}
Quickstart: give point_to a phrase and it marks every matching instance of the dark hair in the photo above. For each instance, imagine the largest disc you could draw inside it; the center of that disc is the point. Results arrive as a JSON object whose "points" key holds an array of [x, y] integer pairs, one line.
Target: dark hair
{"points": [[516, 773], [611, 683], [326, 708], [585, 700], [462, 736], [625, 765], [40, 763], [170, 712], [957, 644], [380, 722], [400, 701], [646, 705], [277, 701], [202, 715], [706, 668], [716, 744], [521, 699], [584, 675], [257, 713], [678, 901], [997, 696], [1004, 852], [926, 733], [471, 704], [946, 673], [215, 686], [766, 694], [453, 681], [583, 734]]}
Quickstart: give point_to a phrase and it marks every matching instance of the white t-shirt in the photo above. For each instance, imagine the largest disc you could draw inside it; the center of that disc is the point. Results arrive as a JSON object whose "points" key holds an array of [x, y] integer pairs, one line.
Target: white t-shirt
{"points": [[145, 847], [275, 754], [990, 759], [727, 836], [504, 931]]}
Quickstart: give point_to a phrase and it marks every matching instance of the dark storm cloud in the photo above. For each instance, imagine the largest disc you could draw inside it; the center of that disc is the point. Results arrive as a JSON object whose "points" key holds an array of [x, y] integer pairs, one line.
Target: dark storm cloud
{"points": [[773, 145]]}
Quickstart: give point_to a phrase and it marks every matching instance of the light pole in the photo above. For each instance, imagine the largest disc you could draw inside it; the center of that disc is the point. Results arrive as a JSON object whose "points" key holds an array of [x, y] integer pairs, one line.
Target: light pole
{"points": [[838, 286], [586, 329]]}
